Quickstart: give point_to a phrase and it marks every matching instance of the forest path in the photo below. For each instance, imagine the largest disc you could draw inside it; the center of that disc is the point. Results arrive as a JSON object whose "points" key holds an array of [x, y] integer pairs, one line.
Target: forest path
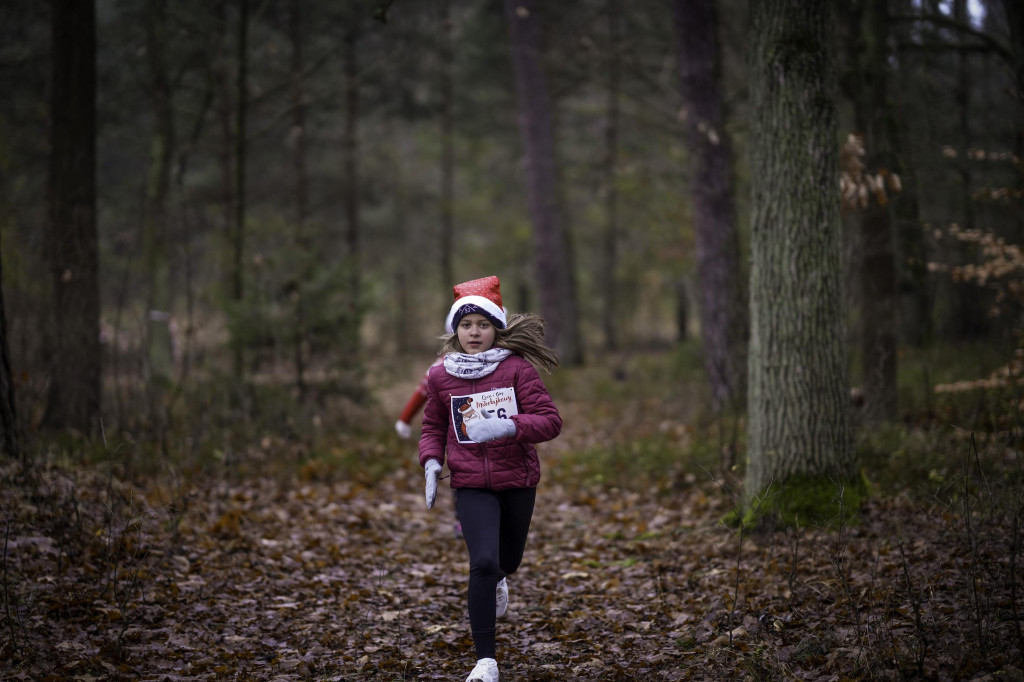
{"points": [[331, 580], [311, 575]]}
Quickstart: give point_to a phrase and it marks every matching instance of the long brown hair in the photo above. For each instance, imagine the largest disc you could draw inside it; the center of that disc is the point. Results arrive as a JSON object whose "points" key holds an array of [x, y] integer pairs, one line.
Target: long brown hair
{"points": [[523, 334]]}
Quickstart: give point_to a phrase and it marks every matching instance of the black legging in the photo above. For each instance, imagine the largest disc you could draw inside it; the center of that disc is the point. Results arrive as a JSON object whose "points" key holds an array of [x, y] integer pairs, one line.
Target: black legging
{"points": [[495, 524]]}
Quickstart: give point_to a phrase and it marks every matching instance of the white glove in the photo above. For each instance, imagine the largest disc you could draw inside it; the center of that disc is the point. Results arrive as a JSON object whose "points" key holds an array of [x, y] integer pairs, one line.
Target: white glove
{"points": [[483, 430], [402, 429], [431, 471]]}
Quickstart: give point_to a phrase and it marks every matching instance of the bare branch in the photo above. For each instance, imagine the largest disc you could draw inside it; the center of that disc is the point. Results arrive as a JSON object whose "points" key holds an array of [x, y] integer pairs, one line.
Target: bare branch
{"points": [[991, 43]]}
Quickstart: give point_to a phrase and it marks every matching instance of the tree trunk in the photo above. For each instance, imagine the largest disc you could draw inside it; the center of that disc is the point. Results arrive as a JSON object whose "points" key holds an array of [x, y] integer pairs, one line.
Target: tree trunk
{"points": [[917, 308], [185, 204], [157, 356], [299, 337], [447, 149], [1014, 10], [221, 75], [238, 237], [681, 289], [879, 304], [74, 395], [609, 264], [711, 189], [350, 170], [554, 262], [798, 420], [406, 276], [970, 320], [9, 441]]}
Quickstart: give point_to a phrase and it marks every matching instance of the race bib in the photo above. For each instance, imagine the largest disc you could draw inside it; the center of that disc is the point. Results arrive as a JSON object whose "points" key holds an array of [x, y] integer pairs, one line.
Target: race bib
{"points": [[498, 403]]}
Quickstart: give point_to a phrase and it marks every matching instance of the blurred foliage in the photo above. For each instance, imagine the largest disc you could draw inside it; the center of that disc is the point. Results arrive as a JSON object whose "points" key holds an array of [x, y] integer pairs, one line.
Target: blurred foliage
{"points": [[638, 422], [294, 303], [661, 441], [635, 419]]}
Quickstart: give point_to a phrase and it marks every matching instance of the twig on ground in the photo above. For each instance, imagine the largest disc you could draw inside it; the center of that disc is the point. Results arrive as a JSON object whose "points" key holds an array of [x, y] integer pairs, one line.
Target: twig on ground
{"points": [[8, 616], [922, 648], [972, 540], [839, 559]]}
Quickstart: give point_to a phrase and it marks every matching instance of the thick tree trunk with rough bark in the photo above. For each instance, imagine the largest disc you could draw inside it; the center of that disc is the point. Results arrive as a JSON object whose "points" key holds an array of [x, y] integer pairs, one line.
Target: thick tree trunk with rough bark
{"points": [[798, 420], [72, 239], [554, 262], [722, 315]]}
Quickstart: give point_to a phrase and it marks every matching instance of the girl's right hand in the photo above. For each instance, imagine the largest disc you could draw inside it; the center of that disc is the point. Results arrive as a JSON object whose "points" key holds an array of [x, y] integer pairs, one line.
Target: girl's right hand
{"points": [[432, 470]]}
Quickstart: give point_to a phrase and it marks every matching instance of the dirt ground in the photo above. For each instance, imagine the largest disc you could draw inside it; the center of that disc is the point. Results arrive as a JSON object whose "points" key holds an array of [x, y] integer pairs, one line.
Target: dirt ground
{"points": [[312, 579]]}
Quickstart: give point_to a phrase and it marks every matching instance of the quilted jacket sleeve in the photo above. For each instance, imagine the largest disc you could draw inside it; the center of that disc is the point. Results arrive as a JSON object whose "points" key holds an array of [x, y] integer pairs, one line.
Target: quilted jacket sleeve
{"points": [[434, 431], [538, 419]]}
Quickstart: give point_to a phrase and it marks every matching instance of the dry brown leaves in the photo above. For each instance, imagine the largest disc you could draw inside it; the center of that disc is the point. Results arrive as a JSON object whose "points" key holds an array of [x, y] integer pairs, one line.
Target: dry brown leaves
{"points": [[327, 580]]}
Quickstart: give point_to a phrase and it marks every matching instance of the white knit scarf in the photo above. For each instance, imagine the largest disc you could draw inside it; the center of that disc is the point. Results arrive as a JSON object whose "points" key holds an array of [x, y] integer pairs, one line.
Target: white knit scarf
{"points": [[476, 366]]}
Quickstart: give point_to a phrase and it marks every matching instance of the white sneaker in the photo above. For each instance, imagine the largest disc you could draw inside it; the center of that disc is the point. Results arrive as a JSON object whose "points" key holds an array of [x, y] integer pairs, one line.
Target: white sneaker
{"points": [[486, 670], [501, 599]]}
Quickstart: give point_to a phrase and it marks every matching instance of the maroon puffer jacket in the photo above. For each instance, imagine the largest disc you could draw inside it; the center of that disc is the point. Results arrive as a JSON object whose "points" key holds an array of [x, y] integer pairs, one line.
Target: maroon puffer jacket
{"points": [[497, 464]]}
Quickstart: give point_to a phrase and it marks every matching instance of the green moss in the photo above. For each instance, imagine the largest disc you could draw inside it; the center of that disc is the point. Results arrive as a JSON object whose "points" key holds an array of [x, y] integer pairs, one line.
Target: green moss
{"points": [[806, 501]]}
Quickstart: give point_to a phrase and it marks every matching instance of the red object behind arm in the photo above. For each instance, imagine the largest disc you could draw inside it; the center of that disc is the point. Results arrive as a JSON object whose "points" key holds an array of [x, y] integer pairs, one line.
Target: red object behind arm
{"points": [[416, 402]]}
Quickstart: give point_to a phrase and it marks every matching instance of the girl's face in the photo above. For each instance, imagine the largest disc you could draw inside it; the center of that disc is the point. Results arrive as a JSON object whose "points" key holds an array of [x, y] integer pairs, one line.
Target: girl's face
{"points": [[476, 333]]}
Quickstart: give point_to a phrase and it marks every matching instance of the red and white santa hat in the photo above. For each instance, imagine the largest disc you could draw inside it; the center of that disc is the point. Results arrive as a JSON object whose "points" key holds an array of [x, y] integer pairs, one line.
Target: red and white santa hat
{"points": [[481, 296]]}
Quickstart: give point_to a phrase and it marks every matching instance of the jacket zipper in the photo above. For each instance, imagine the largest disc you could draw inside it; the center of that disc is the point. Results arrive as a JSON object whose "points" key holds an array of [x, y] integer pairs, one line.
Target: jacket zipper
{"points": [[483, 449]]}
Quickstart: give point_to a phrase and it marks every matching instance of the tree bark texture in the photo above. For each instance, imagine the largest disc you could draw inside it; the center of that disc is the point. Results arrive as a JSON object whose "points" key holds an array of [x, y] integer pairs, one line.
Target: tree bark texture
{"points": [[447, 147], [609, 287], [300, 336], [158, 356], [221, 75], [879, 304], [722, 317], [350, 152], [916, 305], [1015, 22], [241, 134], [970, 320], [407, 249], [9, 441], [798, 420], [74, 395], [554, 262]]}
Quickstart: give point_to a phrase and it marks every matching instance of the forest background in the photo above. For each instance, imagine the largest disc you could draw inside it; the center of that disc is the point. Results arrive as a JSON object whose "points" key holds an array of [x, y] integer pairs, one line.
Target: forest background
{"points": [[229, 234]]}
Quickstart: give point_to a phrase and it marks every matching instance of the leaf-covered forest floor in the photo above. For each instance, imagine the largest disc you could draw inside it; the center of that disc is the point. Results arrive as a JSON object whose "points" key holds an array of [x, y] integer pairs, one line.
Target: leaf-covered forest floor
{"points": [[323, 576]]}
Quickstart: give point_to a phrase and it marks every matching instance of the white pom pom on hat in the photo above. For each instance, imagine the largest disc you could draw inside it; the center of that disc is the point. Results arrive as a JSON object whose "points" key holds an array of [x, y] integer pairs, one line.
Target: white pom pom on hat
{"points": [[481, 296]]}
